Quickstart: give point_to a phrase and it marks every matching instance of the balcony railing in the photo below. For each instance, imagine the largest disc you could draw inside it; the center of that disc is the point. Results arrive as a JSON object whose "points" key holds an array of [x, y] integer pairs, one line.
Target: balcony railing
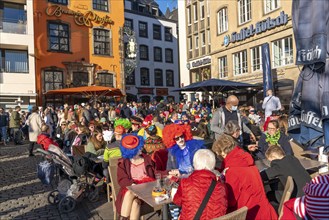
{"points": [[18, 27]]}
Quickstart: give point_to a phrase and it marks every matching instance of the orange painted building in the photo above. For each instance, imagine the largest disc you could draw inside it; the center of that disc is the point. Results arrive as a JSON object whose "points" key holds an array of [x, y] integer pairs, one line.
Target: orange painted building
{"points": [[77, 44]]}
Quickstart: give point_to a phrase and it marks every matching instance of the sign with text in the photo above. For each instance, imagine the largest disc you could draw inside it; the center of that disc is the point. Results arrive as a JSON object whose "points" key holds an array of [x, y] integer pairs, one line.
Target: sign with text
{"points": [[258, 28], [145, 91], [161, 91], [199, 62], [81, 19]]}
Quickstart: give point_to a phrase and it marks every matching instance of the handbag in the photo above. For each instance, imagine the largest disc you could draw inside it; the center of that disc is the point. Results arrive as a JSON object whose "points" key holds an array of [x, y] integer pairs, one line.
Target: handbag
{"points": [[205, 200]]}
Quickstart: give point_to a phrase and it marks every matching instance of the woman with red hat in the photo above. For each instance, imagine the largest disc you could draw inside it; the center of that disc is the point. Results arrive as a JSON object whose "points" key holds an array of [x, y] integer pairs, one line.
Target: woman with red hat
{"points": [[181, 148], [133, 168]]}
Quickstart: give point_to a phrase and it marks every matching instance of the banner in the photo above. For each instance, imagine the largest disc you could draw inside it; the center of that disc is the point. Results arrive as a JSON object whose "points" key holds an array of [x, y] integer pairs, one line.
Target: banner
{"points": [[266, 64]]}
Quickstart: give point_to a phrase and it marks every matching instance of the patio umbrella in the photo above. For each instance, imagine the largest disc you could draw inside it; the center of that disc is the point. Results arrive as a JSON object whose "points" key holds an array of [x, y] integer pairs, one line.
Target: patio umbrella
{"points": [[94, 92]]}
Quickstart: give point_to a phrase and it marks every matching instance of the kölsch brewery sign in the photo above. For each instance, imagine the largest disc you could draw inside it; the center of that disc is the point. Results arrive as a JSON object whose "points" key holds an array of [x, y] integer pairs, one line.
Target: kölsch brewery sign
{"points": [[199, 62], [82, 19], [258, 28]]}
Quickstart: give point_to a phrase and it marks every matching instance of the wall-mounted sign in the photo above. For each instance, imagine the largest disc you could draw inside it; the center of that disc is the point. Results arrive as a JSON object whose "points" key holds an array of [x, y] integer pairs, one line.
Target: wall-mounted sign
{"points": [[199, 62], [82, 19], [258, 28], [145, 91], [161, 91]]}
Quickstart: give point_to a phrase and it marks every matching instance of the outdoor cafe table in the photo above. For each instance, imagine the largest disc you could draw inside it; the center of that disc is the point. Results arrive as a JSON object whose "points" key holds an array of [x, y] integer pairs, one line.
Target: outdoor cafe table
{"points": [[306, 163], [144, 192]]}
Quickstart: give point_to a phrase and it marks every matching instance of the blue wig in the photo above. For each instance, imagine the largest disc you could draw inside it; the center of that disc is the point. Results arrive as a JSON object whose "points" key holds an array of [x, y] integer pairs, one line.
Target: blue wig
{"points": [[130, 152]]}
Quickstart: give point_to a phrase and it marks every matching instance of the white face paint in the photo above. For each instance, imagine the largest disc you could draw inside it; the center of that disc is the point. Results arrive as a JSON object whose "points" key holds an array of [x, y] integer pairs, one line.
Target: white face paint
{"points": [[180, 141]]}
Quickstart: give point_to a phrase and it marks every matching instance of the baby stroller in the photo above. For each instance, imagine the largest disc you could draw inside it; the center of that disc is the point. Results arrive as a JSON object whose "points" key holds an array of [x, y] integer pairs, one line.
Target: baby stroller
{"points": [[72, 179]]}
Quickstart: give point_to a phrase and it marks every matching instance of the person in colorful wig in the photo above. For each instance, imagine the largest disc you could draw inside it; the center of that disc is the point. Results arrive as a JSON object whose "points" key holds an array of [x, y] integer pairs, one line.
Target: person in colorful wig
{"points": [[181, 148], [133, 168], [313, 205], [148, 121]]}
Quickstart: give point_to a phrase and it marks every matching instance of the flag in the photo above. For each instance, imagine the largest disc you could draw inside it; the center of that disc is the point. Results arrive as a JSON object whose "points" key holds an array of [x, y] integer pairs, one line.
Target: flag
{"points": [[266, 64]]}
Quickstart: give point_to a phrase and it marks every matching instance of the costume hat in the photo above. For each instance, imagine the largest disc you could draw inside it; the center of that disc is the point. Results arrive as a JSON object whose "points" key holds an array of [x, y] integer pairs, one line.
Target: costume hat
{"points": [[147, 121], [130, 145], [315, 203]]}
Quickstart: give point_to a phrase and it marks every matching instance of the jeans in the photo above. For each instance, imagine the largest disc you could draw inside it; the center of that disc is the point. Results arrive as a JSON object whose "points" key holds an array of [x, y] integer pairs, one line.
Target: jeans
{"points": [[4, 133]]}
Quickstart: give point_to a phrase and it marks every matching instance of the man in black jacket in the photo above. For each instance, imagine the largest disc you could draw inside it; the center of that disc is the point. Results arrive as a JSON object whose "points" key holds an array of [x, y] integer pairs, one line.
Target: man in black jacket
{"points": [[4, 119]]}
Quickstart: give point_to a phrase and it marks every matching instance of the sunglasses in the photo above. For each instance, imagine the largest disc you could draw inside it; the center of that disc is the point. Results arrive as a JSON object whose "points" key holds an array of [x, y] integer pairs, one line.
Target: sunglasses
{"points": [[178, 138]]}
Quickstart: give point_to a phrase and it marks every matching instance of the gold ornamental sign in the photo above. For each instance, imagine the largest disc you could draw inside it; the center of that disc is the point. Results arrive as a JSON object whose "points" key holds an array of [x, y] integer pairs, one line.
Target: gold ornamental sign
{"points": [[81, 19]]}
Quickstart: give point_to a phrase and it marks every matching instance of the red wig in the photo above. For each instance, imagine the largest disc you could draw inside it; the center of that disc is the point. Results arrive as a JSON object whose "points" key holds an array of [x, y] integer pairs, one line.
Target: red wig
{"points": [[174, 130]]}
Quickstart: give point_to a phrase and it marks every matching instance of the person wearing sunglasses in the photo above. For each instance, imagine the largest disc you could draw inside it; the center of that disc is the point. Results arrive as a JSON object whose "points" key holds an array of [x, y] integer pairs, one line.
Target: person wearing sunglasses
{"points": [[181, 148]]}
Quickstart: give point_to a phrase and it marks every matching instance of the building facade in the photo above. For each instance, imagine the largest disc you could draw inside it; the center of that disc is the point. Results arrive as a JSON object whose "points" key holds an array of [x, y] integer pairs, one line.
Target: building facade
{"points": [[77, 44], [156, 74], [17, 63], [237, 30]]}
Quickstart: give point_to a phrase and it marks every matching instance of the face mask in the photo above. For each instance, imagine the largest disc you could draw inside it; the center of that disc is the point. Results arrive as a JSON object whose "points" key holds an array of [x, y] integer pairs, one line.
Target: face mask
{"points": [[234, 108]]}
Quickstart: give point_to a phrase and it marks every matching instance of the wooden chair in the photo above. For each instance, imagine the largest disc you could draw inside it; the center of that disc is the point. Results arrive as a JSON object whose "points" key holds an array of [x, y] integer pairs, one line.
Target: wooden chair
{"points": [[239, 214], [289, 187], [145, 208], [112, 162]]}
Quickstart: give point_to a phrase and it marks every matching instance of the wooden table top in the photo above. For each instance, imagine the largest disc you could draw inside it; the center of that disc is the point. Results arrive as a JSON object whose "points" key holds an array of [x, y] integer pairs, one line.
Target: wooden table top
{"points": [[306, 163], [144, 192]]}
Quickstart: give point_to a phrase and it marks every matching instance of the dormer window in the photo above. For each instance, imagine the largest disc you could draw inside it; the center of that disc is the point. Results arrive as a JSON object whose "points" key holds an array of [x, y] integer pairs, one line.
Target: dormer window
{"points": [[155, 11], [141, 7]]}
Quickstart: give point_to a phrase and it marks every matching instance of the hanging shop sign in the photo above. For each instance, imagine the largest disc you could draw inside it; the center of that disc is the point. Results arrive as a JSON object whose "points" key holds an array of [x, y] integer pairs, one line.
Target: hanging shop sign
{"points": [[145, 91], [81, 19], [199, 62], [258, 28], [161, 91]]}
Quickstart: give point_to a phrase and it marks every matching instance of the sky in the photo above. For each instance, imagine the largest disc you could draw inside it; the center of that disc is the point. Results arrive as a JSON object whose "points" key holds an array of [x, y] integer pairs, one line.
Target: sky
{"points": [[163, 4]]}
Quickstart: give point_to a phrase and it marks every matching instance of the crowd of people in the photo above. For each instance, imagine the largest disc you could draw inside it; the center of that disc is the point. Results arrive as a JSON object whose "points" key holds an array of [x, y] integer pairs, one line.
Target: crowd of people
{"points": [[168, 139]]}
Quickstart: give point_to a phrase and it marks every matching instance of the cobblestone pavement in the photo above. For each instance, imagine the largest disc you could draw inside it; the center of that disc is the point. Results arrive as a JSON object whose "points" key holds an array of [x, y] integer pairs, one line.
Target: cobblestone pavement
{"points": [[23, 196]]}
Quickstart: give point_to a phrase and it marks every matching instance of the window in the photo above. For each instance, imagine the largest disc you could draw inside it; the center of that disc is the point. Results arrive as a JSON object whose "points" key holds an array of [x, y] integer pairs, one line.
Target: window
{"points": [[203, 39], [142, 29], [169, 78], [157, 54], [189, 16], [62, 2], [143, 52], [155, 11], [256, 59], [282, 52], [244, 9], [12, 18], [240, 63], [169, 56], [14, 61], [141, 8], [202, 11], [105, 79], [80, 79], [223, 70], [196, 37], [145, 77], [53, 79], [195, 10], [168, 34], [270, 5], [101, 5], [156, 32], [58, 37], [102, 42], [158, 77], [222, 22], [129, 23], [130, 79]]}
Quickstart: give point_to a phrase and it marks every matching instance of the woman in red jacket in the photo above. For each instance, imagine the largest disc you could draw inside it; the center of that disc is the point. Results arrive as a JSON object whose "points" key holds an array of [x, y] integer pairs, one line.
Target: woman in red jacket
{"points": [[192, 190], [244, 184]]}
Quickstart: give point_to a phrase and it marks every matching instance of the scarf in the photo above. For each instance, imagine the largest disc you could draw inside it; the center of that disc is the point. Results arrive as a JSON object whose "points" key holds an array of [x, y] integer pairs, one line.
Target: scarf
{"points": [[273, 139]]}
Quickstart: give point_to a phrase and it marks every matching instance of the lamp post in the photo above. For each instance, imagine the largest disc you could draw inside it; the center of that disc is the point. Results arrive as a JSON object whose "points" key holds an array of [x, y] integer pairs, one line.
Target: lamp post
{"points": [[128, 55]]}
